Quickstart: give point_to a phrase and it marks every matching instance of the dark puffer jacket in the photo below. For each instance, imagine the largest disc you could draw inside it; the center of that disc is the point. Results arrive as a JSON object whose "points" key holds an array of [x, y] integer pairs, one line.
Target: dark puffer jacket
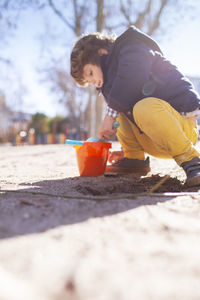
{"points": [[135, 69]]}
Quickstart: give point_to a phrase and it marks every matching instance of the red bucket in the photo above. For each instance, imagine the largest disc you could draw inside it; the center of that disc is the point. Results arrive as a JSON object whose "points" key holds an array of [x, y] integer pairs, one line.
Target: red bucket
{"points": [[92, 158]]}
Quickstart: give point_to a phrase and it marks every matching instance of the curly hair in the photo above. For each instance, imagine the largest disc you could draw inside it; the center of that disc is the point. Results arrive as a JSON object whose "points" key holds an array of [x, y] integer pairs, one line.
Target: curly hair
{"points": [[85, 51]]}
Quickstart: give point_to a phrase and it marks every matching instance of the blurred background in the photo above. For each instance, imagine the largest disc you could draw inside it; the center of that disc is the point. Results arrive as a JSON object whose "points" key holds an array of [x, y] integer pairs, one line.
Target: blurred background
{"points": [[39, 102]]}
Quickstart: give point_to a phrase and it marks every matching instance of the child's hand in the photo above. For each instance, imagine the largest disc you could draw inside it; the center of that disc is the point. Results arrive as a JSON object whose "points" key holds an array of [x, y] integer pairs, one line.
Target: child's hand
{"points": [[115, 156], [107, 130]]}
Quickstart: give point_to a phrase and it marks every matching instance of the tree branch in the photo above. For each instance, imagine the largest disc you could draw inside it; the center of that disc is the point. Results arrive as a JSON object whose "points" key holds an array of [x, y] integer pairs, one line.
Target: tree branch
{"points": [[60, 15], [5, 60], [141, 17], [156, 22], [124, 12]]}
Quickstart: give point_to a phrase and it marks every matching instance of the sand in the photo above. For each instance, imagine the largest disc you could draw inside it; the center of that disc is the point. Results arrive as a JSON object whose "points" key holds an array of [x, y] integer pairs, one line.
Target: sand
{"points": [[93, 238]]}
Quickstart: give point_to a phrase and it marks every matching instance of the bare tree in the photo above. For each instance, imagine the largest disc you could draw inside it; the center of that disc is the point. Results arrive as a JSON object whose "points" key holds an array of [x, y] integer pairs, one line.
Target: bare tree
{"points": [[99, 102], [9, 17], [68, 93], [82, 17], [77, 25], [149, 16]]}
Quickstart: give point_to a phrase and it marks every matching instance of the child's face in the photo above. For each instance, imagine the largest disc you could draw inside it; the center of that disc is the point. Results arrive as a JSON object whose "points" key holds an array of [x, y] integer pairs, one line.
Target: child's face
{"points": [[93, 75]]}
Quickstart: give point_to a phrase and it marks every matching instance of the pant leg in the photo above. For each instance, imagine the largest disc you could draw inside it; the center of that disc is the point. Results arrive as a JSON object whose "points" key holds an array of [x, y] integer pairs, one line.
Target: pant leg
{"points": [[128, 140], [166, 130], [135, 143]]}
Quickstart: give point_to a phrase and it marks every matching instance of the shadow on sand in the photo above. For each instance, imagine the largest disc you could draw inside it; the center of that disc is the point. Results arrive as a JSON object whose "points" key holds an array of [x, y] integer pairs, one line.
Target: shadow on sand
{"points": [[48, 204]]}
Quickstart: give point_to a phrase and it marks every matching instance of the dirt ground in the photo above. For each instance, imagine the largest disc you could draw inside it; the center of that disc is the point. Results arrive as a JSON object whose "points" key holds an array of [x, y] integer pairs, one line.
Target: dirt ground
{"points": [[95, 238]]}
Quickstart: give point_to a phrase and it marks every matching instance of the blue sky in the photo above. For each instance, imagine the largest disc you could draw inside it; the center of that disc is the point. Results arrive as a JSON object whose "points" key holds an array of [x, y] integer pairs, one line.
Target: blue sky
{"points": [[181, 45], [183, 48]]}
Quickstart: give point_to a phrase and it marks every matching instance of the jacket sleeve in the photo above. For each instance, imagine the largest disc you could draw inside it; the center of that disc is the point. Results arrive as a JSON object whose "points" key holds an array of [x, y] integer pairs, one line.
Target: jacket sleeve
{"points": [[111, 112], [134, 67]]}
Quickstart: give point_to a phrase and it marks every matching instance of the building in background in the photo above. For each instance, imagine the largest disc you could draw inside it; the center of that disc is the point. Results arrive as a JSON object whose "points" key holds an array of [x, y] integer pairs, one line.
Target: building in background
{"points": [[11, 122], [20, 122], [5, 120]]}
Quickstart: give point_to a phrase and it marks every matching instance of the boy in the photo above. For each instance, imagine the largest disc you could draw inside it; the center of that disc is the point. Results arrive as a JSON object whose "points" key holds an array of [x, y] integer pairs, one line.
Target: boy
{"points": [[154, 103]]}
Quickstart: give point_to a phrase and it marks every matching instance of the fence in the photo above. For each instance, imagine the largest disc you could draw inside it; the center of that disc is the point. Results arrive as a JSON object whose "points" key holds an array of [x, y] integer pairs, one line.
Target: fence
{"points": [[39, 139]]}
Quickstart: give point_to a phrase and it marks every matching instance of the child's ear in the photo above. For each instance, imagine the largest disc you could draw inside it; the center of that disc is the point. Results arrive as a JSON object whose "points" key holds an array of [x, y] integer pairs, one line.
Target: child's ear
{"points": [[102, 51]]}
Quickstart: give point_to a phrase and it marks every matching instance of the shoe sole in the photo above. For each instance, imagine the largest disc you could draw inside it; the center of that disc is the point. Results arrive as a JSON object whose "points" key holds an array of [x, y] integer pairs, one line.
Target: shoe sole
{"points": [[139, 171], [194, 181]]}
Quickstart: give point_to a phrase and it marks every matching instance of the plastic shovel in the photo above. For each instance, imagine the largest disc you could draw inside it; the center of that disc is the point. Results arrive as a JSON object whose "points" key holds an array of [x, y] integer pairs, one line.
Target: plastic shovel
{"points": [[74, 142], [90, 139]]}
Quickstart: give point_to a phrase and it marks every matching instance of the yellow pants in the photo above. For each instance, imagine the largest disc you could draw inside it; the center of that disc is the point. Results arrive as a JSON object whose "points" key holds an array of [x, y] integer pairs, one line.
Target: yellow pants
{"points": [[165, 132]]}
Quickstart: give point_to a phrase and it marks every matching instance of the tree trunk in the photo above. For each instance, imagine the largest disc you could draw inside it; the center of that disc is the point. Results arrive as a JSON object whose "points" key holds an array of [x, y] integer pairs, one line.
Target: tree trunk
{"points": [[99, 109], [99, 102]]}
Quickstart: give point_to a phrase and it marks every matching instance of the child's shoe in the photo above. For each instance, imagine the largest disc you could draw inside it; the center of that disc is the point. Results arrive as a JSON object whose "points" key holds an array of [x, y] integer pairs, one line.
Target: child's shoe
{"points": [[192, 170], [129, 165]]}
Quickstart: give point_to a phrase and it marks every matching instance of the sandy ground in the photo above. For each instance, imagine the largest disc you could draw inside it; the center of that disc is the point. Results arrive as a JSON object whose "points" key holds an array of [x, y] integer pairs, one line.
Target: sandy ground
{"points": [[69, 237]]}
